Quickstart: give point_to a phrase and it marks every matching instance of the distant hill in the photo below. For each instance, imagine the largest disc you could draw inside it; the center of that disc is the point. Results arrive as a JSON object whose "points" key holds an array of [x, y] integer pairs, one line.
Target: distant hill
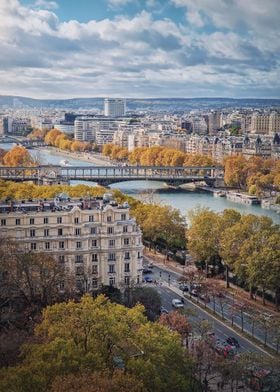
{"points": [[156, 104]]}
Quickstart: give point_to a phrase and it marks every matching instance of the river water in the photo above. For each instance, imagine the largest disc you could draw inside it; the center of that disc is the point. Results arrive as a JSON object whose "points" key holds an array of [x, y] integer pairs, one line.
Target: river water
{"points": [[183, 200]]}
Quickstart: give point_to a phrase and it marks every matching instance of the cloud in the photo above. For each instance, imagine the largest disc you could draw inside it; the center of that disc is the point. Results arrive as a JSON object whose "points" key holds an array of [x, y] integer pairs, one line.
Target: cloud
{"points": [[51, 5], [136, 56]]}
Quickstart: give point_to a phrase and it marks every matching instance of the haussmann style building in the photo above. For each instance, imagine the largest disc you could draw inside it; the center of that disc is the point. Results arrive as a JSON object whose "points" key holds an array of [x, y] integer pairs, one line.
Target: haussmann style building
{"points": [[96, 240]]}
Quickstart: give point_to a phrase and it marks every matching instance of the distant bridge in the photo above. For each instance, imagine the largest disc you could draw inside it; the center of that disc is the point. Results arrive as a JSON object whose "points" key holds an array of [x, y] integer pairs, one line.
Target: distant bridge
{"points": [[28, 143], [106, 175]]}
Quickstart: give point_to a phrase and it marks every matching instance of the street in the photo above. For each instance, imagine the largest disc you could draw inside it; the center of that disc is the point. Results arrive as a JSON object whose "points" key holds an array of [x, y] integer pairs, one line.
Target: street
{"points": [[168, 290]]}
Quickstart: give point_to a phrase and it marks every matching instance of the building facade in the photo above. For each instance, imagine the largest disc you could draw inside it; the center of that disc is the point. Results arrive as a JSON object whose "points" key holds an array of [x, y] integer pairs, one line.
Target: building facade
{"points": [[114, 107], [96, 240]]}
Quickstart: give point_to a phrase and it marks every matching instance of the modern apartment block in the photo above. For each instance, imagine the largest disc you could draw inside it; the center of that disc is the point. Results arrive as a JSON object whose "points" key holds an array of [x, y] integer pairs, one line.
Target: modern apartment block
{"points": [[265, 123], [114, 107], [95, 239]]}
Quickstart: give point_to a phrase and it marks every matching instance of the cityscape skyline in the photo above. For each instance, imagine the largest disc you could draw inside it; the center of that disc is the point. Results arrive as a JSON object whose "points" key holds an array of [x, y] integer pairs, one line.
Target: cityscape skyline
{"points": [[120, 48]]}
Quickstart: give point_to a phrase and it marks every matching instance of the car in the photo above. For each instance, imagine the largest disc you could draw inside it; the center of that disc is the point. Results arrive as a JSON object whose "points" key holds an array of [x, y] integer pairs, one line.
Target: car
{"points": [[232, 341], [148, 279], [204, 298], [163, 310], [177, 303], [183, 287], [147, 271], [151, 265], [193, 292]]}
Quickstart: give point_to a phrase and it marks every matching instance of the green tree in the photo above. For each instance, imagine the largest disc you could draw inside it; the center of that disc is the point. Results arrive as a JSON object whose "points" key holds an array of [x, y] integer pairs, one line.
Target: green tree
{"points": [[203, 235], [96, 335]]}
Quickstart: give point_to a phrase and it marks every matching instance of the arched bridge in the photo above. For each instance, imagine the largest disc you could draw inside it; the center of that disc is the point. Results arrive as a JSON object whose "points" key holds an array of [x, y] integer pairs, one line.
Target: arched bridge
{"points": [[106, 175]]}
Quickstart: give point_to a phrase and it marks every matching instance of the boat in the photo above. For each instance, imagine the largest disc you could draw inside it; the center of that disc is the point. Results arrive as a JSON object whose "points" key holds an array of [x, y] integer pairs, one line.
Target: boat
{"points": [[243, 198], [64, 162], [219, 193]]}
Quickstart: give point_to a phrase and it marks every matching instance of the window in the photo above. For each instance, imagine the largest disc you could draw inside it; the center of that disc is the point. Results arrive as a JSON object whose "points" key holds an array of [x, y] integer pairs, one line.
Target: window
{"points": [[60, 232], [94, 283], [47, 245], [79, 285], [110, 230], [126, 255], [127, 280], [112, 257], [46, 221], [126, 241], [138, 279], [32, 233], [94, 257], [17, 221], [33, 246], [61, 285], [93, 242], [3, 222], [76, 221], [111, 243], [77, 231], [59, 219], [78, 244], [93, 230], [112, 268], [112, 281], [61, 259], [125, 229], [31, 221], [61, 244], [79, 270], [95, 269], [91, 218], [78, 258], [139, 255], [123, 216], [126, 267], [46, 232], [109, 219]]}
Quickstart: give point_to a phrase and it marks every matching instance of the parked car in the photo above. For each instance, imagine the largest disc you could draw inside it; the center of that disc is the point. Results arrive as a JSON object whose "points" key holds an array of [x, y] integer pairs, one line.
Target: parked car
{"points": [[151, 265], [194, 293], [183, 287], [163, 310], [147, 279], [147, 271], [177, 303], [204, 298], [232, 341]]}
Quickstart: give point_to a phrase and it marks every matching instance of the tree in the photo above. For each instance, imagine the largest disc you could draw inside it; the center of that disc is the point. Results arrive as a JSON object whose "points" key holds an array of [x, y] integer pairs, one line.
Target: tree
{"points": [[96, 335], [35, 277], [104, 381], [236, 171], [146, 296], [176, 321], [51, 136], [18, 156], [203, 246]]}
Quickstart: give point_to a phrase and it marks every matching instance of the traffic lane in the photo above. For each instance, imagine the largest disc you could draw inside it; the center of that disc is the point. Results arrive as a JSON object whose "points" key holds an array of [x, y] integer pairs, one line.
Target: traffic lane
{"points": [[159, 273], [221, 331]]}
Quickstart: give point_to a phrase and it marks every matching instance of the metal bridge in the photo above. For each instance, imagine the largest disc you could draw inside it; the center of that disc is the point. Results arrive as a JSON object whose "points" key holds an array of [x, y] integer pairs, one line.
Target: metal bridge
{"points": [[28, 143], [106, 175]]}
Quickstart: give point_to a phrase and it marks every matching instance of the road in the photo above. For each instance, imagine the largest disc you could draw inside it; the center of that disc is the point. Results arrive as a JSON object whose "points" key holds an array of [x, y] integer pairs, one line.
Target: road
{"points": [[169, 290]]}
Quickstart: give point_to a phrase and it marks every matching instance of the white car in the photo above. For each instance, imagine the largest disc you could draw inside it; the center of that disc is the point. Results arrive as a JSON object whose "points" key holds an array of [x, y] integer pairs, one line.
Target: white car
{"points": [[177, 303]]}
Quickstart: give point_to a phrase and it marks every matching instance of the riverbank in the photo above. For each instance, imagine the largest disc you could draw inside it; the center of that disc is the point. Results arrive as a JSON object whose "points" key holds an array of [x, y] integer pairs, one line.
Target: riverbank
{"points": [[90, 157]]}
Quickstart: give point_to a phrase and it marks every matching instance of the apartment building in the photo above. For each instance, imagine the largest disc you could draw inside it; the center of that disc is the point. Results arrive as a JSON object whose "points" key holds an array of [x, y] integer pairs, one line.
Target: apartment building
{"points": [[96, 240], [114, 107]]}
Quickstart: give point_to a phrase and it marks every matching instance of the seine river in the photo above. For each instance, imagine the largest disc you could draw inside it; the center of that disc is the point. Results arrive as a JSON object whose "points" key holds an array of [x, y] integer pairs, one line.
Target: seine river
{"points": [[184, 200]]}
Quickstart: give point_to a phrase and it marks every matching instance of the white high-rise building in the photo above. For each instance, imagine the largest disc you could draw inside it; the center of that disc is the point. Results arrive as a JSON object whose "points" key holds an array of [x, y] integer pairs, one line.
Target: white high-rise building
{"points": [[114, 107]]}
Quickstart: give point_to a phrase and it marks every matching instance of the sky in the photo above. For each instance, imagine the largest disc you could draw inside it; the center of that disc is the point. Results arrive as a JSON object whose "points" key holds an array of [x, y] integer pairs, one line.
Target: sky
{"points": [[140, 48]]}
